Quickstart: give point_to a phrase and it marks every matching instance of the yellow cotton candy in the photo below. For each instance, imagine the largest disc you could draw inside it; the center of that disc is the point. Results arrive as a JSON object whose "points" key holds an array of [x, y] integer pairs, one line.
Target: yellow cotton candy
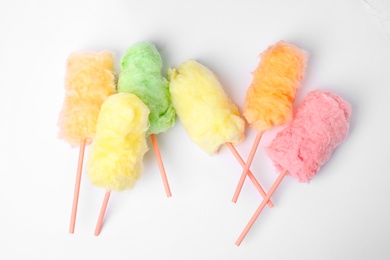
{"points": [[89, 80], [115, 156], [272, 92], [209, 116]]}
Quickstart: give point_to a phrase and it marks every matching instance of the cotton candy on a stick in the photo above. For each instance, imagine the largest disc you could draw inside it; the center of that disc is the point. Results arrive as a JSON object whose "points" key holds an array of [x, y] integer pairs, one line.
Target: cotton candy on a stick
{"points": [[141, 75], [269, 99], [210, 118], [115, 158], [89, 80]]}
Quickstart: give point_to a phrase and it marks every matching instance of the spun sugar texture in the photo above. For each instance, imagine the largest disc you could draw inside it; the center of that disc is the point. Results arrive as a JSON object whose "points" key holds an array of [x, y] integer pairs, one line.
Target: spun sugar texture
{"points": [[141, 75], [115, 156], [321, 123], [89, 80], [209, 116], [271, 94]]}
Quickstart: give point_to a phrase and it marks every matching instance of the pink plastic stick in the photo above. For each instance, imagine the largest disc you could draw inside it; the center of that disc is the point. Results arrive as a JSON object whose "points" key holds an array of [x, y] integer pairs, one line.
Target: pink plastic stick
{"points": [[261, 207], [77, 187], [247, 166], [250, 174], [102, 213], [160, 165]]}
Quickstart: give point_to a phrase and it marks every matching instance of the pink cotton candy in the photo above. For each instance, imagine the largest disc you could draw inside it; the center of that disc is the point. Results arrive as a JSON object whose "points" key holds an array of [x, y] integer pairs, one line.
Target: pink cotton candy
{"points": [[321, 123]]}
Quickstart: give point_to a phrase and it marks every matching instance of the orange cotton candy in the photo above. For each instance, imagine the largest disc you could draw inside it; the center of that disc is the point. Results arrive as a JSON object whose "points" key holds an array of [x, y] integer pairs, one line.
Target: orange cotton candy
{"points": [[275, 81], [89, 80]]}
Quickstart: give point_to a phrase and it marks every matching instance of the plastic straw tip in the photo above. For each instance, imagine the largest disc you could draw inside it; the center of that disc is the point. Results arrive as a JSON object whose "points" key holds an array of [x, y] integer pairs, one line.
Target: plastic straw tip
{"points": [[71, 229]]}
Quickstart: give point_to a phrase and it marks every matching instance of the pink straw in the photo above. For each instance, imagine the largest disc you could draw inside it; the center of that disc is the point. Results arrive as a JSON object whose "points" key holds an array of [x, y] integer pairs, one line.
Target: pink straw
{"points": [[250, 174], [102, 213], [247, 166], [77, 186], [261, 207], [161, 165]]}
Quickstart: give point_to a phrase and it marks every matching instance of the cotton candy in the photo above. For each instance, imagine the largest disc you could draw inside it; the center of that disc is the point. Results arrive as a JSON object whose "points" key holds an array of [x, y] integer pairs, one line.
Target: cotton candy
{"points": [[89, 80], [115, 157], [321, 123], [141, 75], [208, 115], [272, 92]]}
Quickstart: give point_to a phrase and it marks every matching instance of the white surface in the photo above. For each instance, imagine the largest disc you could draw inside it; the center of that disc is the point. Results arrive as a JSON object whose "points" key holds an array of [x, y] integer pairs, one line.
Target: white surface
{"points": [[381, 10], [343, 213]]}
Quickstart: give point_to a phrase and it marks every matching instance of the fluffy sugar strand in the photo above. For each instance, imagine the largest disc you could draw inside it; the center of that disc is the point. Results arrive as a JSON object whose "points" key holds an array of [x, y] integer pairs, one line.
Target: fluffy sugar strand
{"points": [[89, 80], [115, 157], [141, 75], [209, 116], [275, 81], [321, 123]]}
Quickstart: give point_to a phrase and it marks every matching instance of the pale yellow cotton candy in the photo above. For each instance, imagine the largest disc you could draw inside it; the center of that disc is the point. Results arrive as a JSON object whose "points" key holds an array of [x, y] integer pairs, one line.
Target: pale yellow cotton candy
{"points": [[115, 157], [209, 116]]}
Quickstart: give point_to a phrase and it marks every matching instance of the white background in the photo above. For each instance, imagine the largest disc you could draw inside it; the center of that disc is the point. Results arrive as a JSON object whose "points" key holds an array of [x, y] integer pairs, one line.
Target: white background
{"points": [[343, 213]]}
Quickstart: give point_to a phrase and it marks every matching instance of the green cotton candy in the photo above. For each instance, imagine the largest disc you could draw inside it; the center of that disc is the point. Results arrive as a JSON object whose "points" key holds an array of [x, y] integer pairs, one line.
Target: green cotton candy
{"points": [[141, 75]]}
